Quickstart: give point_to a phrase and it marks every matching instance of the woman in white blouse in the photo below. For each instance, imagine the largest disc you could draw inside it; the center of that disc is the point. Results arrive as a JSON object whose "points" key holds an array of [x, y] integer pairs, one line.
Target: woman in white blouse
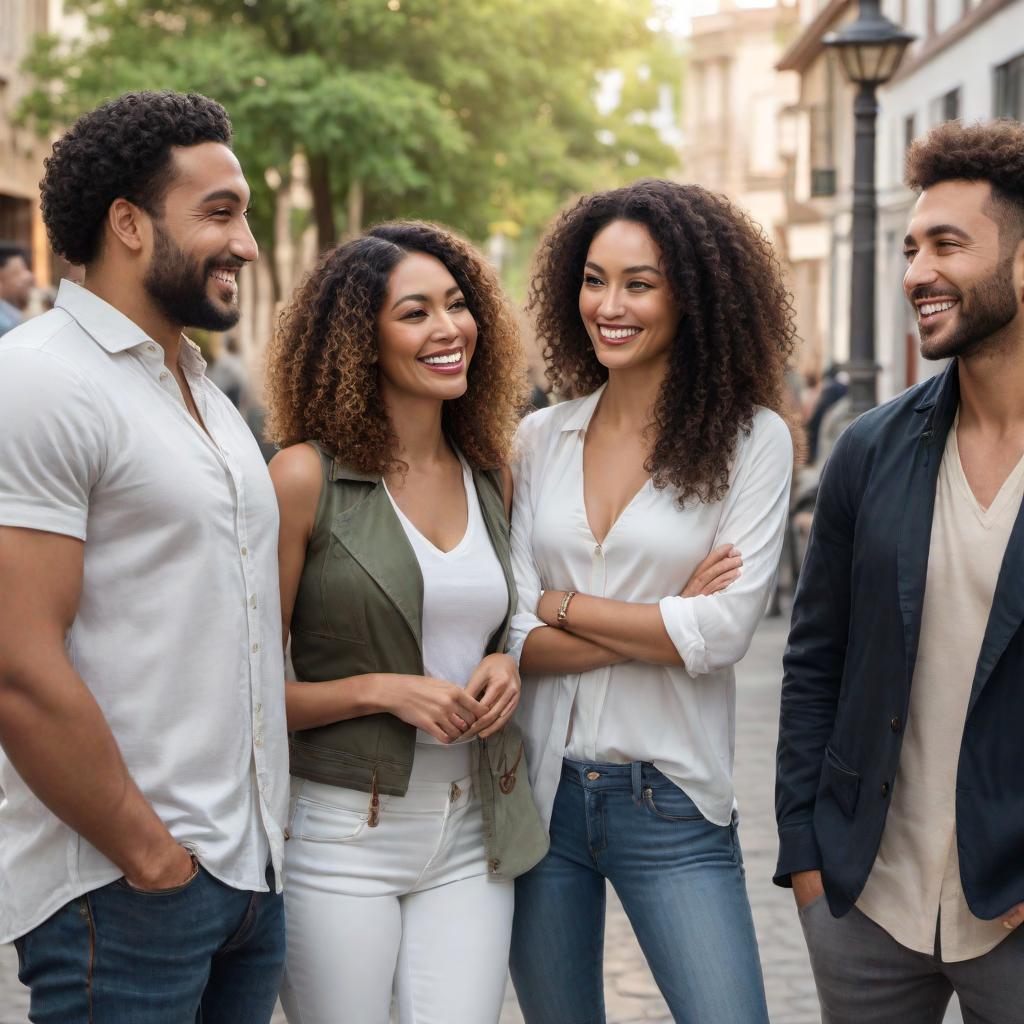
{"points": [[662, 307]]}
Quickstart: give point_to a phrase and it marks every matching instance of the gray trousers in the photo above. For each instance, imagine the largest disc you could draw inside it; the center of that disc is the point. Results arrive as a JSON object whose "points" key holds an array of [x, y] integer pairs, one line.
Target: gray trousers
{"points": [[864, 976]]}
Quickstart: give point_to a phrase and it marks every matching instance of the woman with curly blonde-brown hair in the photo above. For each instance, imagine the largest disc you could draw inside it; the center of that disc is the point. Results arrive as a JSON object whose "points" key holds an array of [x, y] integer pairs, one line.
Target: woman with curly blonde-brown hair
{"points": [[394, 386], [647, 525]]}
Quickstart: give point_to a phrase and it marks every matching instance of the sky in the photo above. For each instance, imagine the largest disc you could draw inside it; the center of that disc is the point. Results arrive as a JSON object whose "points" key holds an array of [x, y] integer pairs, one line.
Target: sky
{"points": [[681, 11]]}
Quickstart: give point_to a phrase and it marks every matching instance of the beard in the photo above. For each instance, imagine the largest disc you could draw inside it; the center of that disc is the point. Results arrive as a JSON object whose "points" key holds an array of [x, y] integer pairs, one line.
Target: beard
{"points": [[983, 311], [177, 284]]}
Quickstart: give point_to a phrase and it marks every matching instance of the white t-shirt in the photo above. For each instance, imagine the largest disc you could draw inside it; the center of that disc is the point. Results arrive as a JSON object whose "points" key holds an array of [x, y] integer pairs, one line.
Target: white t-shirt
{"points": [[682, 718], [178, 631], [465, 596]]}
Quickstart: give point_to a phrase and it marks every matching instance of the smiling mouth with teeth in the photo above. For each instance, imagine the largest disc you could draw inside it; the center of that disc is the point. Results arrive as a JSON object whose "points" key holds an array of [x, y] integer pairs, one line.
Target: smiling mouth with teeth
{"points": [[617, 333], [442, 360], [226, 277], [931, 308]]}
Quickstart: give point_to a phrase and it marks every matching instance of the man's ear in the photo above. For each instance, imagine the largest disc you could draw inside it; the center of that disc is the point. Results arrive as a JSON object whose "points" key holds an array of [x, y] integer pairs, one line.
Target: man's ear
{"points": [[129, 224]]}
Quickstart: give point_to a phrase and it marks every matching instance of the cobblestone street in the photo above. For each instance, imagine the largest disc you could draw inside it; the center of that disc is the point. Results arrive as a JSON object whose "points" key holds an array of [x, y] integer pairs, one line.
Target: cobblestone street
{"points": [[631, 995]]}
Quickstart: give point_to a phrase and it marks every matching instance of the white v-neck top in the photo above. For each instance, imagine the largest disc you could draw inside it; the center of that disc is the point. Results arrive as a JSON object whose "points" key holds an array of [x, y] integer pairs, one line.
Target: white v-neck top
{"points": [[465, 596], [682, 718], [178, 631], [914, 886]]}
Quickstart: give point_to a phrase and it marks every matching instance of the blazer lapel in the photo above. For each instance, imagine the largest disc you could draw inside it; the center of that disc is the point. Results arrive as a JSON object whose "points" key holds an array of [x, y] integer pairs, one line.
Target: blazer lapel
{"points": [[1007, 610], [918, 510]]}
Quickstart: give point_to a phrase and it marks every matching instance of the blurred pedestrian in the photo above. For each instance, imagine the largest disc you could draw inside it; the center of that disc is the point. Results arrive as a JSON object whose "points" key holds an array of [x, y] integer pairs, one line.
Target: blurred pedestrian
{"points": [[16, 284], [227, 370], [144, 765], [636, 504], [395, 385], [900, 758]]}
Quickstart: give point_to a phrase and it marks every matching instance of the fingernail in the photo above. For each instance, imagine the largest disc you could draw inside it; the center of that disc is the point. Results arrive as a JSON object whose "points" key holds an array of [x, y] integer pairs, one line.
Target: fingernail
{"points": [[1008, 926]]}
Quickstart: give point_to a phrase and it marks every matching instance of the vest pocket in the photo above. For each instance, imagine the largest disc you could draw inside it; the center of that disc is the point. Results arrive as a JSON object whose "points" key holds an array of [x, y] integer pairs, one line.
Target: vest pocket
{"points": [[842, 782]]}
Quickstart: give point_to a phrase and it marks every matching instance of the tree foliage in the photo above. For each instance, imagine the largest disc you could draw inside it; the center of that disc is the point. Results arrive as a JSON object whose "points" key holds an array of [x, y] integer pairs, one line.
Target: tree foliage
{"points": [[473, 112]]}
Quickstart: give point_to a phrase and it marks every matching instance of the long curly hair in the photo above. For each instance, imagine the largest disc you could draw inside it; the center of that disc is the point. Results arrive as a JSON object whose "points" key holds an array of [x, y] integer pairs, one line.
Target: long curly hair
{"points": [[735, 333], [120, 149], [322, 374]]}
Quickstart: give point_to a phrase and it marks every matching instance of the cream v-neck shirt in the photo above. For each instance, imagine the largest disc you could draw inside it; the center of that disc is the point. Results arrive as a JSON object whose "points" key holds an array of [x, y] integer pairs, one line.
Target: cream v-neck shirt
{"points": [[914, 885], [680, 717]]}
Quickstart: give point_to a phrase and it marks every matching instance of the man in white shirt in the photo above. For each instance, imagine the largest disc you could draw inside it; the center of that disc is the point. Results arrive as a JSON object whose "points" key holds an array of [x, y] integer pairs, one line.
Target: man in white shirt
{"points": [[900, 759], [143, 768]]}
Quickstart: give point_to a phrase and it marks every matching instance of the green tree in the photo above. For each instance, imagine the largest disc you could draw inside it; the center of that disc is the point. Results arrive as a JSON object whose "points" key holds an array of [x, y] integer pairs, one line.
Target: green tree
{"points": [[474, 112]]}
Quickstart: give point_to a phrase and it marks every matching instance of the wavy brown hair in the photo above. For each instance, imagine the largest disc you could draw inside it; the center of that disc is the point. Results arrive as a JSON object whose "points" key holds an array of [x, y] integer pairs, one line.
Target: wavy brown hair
{"points": [[735, 333], [322, 375]]}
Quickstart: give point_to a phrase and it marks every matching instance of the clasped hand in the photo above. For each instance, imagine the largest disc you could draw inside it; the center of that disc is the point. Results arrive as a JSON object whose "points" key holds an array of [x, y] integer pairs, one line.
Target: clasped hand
{"points": [[451, 713]]}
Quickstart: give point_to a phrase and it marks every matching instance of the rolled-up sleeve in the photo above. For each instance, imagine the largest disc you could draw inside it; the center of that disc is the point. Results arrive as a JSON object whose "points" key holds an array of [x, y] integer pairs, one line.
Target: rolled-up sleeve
{"points": [[714, 632], [51, 443], [527, 578]]}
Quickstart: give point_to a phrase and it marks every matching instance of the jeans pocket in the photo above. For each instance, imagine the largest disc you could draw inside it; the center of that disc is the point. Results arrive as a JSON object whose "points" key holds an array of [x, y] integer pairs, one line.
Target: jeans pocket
{"points": [[174, 890], [670, 803], [316, 822]]}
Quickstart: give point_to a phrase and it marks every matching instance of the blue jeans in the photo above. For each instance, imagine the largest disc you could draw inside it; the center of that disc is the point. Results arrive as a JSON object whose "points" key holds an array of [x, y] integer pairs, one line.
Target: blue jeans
{"points": [[680, 880], [200, 953]]}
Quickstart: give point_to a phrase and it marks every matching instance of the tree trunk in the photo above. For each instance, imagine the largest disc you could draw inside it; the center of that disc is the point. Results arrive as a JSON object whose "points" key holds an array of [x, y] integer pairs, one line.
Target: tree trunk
{"points": [[323, 205], [355, 208]]}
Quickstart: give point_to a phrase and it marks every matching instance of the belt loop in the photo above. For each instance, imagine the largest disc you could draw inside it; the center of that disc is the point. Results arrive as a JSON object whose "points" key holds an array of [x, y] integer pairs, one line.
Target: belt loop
{"points": [[636, 768]]}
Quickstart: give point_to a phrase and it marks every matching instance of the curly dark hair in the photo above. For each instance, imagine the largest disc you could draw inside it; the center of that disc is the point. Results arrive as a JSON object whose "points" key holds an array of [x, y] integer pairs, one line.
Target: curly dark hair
{"points": [[121, 149], [735, 333], [992, 152], [322, 364]]}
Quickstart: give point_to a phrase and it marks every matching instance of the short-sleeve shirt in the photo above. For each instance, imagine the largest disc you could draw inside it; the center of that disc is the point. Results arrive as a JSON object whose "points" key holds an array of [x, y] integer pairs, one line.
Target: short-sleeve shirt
{"points": [[178, 630]]}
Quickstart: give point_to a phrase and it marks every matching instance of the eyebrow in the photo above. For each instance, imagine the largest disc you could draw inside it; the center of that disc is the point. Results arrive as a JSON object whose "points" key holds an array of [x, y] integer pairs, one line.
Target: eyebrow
{"points": [[941, 229], [424, 298], [638, 269], [221, 195]]}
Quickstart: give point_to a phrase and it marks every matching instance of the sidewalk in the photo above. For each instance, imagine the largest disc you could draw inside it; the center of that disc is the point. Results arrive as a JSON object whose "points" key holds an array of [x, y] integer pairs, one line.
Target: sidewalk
{"points": [[631, 995]]}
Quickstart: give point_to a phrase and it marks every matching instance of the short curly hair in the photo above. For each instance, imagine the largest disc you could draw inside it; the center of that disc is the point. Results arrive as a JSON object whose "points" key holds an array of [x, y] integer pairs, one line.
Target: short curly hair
{"points": [[992, 152], [121, 149], [322, 374], [735, 333]]}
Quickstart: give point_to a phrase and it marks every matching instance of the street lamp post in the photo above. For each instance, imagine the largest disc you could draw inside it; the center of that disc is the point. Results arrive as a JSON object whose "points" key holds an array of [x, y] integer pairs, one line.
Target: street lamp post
{"points": [[871, 49]]}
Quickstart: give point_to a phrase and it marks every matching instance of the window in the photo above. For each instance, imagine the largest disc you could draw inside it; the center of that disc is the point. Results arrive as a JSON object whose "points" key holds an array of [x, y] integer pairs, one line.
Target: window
{"points": [[909, 130], [1009, 89], [946, 107]]}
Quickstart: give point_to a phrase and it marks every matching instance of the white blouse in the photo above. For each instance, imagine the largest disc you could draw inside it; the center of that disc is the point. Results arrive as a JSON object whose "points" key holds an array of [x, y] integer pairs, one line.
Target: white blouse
{"points": [[681, 718]]}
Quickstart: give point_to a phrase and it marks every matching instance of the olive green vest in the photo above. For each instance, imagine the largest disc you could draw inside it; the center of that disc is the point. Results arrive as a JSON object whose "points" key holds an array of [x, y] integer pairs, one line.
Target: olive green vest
{"points": [[359, 609]]}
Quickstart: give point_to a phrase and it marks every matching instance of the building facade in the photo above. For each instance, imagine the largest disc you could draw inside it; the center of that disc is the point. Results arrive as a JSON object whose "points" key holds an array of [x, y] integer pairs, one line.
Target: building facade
{"points": [[21, 151]]}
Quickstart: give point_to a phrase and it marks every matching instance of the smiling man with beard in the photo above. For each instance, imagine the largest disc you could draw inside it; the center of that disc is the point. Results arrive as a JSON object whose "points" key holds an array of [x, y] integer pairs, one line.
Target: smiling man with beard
{"points": [[143, 763], [900, 761]]}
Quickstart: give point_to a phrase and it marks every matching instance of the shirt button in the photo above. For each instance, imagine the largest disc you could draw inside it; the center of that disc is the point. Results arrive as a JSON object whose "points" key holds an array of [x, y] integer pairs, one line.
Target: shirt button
{"points": [[255, 648], [252, 601], [245, 551], [593, 775], [259, 739], [885, 789], [896, 724], [151, 348], [597, 549], [164, 375], [259, 708], [493, 865]]}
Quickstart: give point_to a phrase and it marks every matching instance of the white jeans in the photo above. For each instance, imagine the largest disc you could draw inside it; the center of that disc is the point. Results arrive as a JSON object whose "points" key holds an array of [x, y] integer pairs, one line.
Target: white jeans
{"points": [[408, 904]]}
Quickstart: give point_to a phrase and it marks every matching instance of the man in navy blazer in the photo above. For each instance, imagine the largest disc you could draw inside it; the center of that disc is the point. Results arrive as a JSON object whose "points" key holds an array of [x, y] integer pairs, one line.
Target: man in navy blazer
{"points": [[900, 790]]}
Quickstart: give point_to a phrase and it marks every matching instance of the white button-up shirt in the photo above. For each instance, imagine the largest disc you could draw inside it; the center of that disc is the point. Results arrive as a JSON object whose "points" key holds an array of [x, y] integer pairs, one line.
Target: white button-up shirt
{"points": [[178, 632], [682, 718]]}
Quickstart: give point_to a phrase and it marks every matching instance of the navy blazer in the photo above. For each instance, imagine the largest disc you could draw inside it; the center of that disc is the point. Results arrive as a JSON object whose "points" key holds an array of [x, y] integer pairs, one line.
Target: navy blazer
{"points": [[850, 661]]}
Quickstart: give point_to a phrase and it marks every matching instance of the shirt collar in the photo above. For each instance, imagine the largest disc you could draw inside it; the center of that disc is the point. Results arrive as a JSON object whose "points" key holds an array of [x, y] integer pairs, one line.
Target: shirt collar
{"points": [[112, 330], [580, 418]]}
